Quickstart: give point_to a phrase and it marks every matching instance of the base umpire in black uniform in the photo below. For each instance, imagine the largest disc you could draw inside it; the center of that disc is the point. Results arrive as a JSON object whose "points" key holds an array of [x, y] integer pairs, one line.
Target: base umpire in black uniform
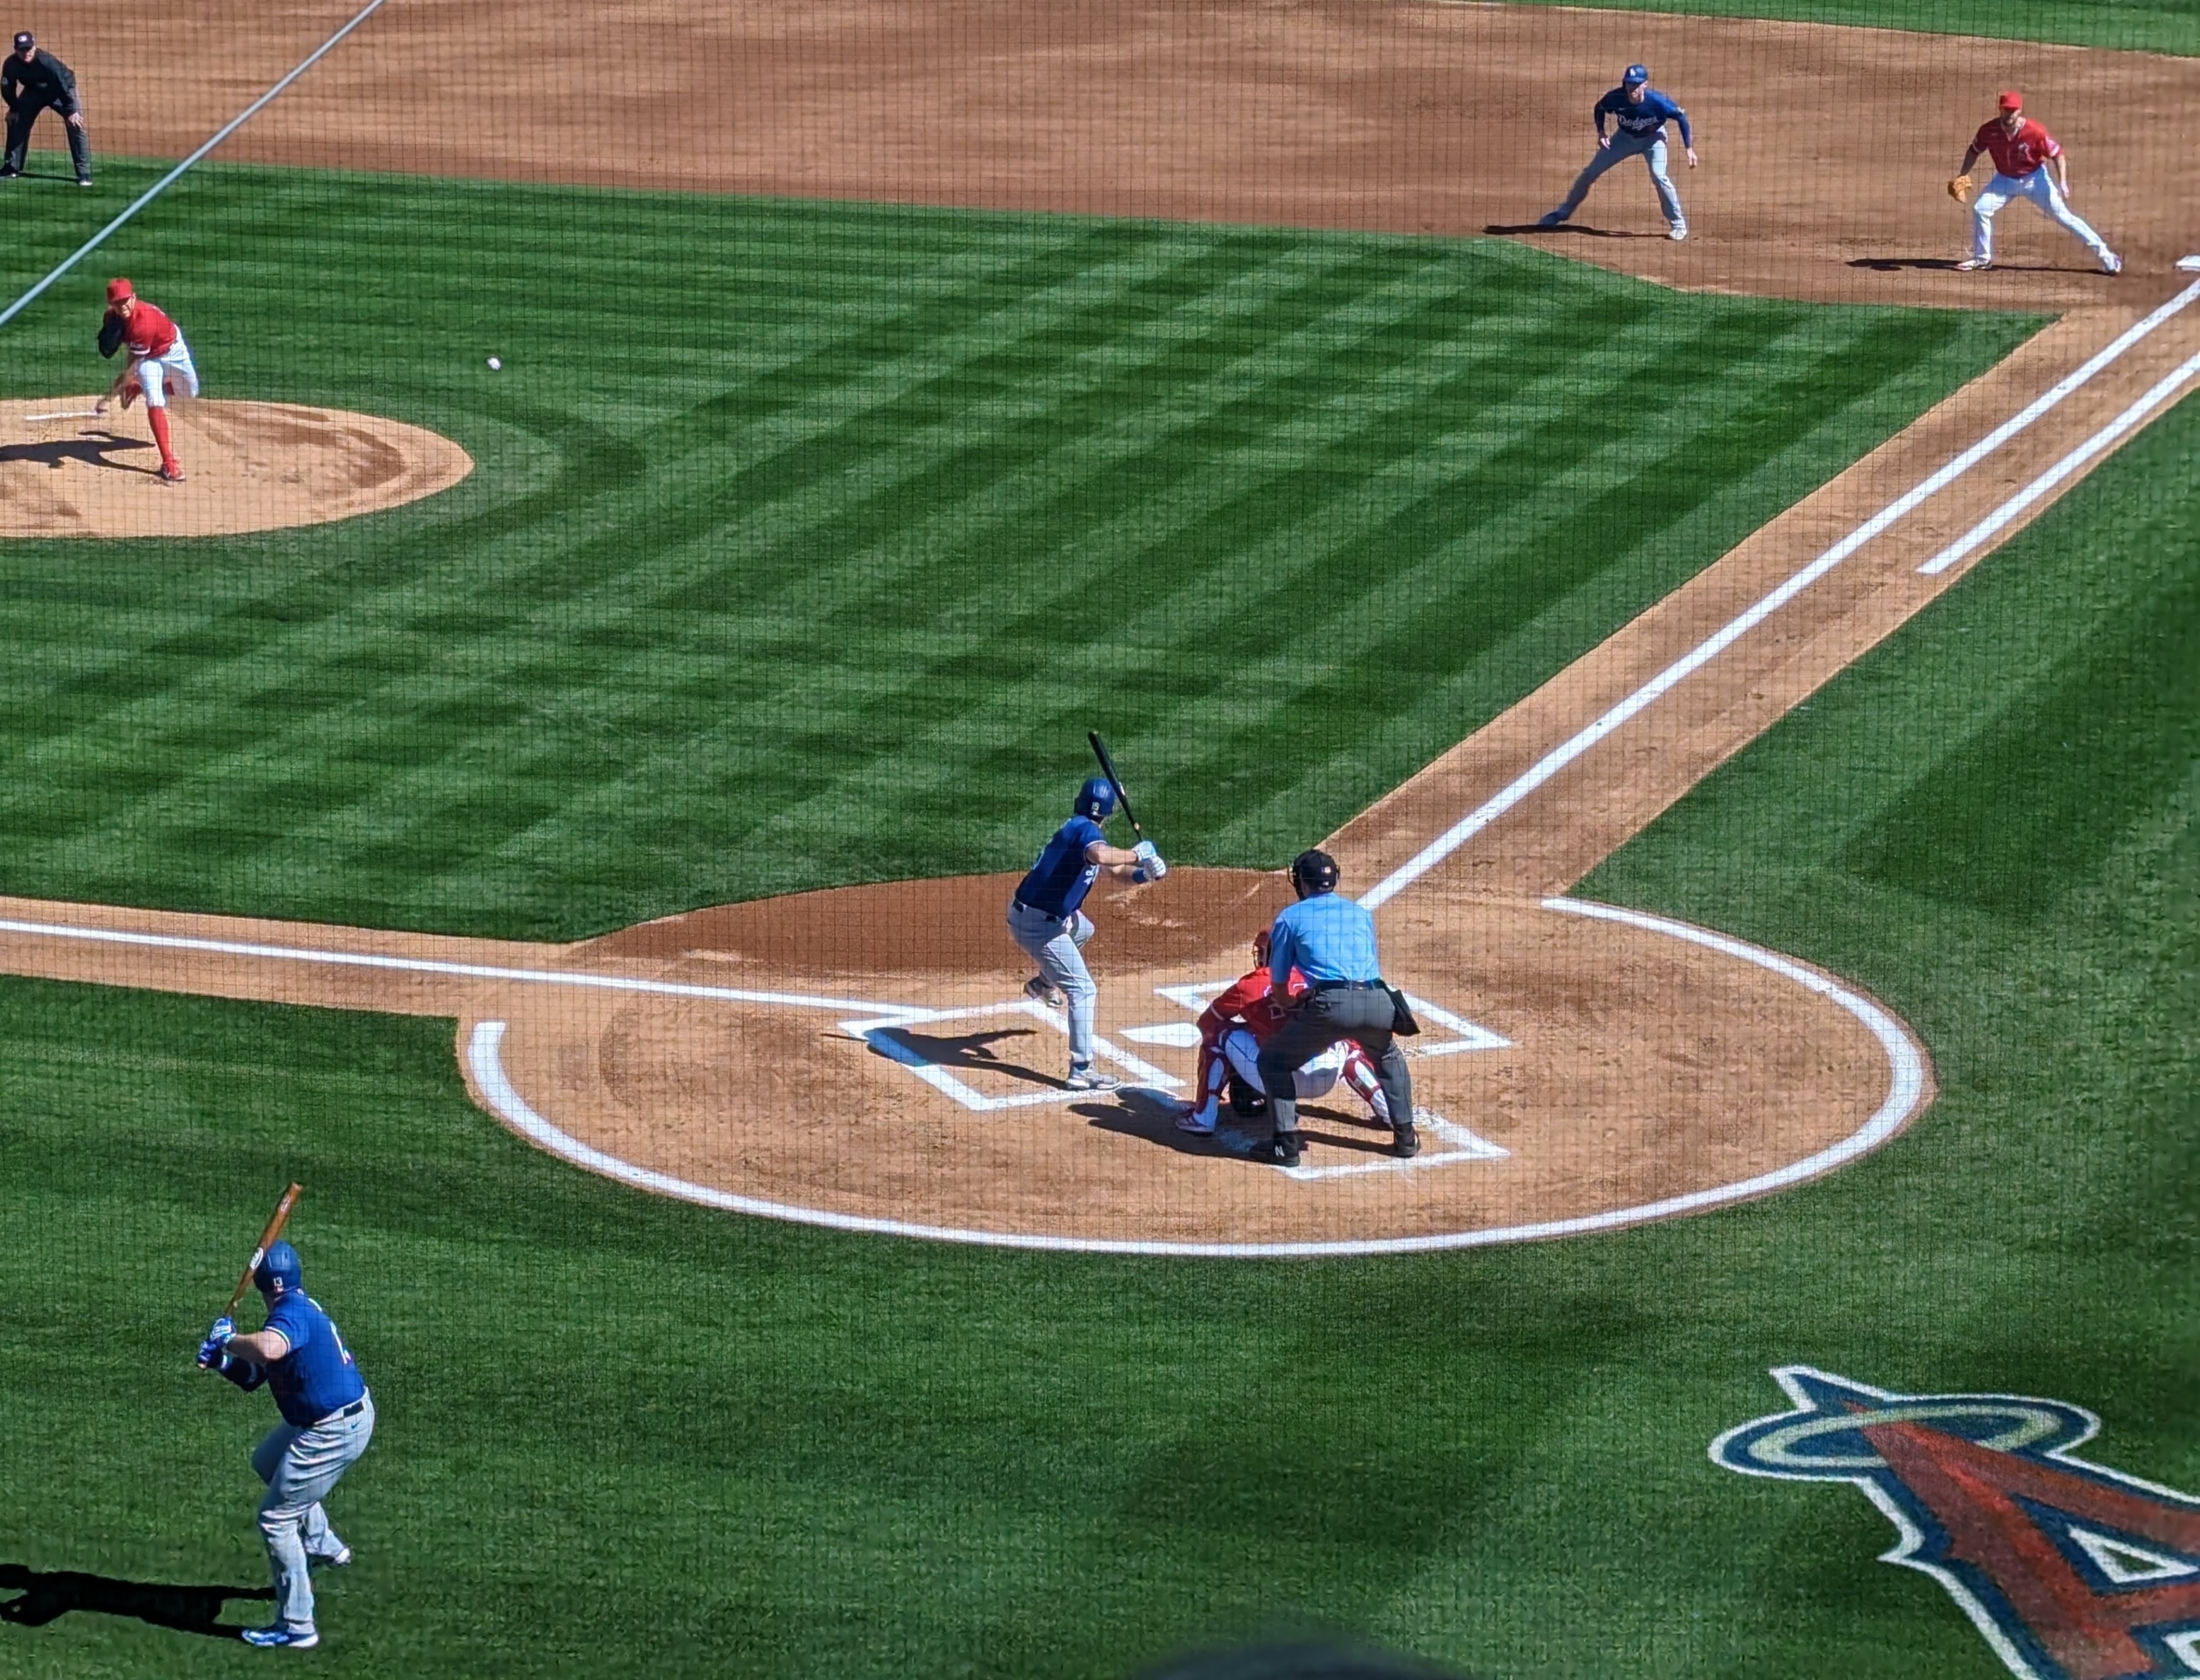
{"points": [[1331, 941], [32, 81]]}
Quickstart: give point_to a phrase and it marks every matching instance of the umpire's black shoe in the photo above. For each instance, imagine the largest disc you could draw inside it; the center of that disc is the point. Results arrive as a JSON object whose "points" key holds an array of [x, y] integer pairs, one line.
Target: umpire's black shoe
{"points": [[1405, 1141], [1283, 1149]]}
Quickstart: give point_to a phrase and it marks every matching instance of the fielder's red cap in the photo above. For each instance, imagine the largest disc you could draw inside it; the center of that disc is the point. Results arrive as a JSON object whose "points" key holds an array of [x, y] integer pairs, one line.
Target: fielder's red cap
{"points": [[116, 290], [2012, 101]]}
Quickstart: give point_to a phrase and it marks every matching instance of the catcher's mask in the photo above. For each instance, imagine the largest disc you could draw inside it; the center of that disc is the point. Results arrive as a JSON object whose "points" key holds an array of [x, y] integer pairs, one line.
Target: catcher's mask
{"points": [[1261, 948], [1313, 871]]}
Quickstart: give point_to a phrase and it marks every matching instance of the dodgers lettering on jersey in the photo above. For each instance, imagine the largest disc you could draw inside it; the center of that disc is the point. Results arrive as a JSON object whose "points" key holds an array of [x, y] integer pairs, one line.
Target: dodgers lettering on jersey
{"points": [[1060, 878], [1643, 121], [1327, 936], [317, 1375], [2017, 155]]}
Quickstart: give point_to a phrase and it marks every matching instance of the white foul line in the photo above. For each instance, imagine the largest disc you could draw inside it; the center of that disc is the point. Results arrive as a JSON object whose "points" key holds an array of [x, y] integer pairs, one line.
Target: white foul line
{"points": [[1997, 521], [1665, 681], [176, 174], [1906, 1086], [422, 965]]}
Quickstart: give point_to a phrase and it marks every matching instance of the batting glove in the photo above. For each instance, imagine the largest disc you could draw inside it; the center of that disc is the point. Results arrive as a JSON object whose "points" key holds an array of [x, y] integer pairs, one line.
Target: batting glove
{"points": [[217, 1339]]}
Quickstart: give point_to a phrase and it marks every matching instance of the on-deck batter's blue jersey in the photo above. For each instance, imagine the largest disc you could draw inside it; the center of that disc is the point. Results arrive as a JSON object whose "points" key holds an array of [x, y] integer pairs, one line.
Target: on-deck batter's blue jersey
{"points": [[1327, 936], [317, 1375], [1060, 880], [1643, 121]]}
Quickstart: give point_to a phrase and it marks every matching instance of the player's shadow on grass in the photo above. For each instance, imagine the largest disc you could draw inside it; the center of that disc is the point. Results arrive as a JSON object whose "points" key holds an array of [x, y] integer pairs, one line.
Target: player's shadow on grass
{"points": [[1150, 1116], [1582, 228], [50, 1594], [92, 451]]}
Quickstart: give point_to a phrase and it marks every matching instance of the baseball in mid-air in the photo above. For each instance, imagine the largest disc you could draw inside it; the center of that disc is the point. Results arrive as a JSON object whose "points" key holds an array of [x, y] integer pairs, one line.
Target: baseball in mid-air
{"points": [[495, 362]]}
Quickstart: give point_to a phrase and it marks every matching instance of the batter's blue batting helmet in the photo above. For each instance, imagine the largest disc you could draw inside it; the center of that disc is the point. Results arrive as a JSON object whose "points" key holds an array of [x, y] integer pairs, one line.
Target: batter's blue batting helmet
{"points": [[279, 1271], [1096, 799], [1635, 73]]}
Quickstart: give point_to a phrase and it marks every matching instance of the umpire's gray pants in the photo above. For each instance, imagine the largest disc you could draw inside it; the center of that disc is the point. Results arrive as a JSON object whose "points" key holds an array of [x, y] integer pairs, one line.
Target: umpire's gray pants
{"points": [[1051, 942], [1363, 1014], [1624, 146], [299, 1466]]}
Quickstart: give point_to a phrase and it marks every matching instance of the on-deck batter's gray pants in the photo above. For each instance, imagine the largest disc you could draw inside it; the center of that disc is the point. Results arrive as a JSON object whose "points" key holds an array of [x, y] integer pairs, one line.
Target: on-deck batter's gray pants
{"points": [[1624, 146], [299, 1466], [1051, 942]]}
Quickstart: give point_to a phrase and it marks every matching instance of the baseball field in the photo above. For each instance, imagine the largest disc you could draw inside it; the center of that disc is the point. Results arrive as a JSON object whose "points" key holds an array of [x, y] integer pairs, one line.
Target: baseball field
{"points": [[560, 809]]}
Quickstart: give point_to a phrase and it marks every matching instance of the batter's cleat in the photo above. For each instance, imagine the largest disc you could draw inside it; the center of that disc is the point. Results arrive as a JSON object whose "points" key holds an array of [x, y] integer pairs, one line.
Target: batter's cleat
{"points": [[2111, 263], [1283, 1150], [1974, 264], [280, 1639], [171, 473], [1190, 1120], [1039, 992], [1553, 218], [1405, 1142], [1088, 1078], [1678, 232]]}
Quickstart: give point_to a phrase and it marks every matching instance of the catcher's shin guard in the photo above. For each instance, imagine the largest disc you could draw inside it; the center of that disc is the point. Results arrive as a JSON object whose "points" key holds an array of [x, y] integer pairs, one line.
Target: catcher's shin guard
{"points": [[1367, 1085]]}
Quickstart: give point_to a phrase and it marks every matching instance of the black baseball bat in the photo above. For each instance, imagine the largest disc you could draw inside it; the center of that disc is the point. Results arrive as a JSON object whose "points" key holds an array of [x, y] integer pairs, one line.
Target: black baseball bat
{"points": [[1107, 769]]}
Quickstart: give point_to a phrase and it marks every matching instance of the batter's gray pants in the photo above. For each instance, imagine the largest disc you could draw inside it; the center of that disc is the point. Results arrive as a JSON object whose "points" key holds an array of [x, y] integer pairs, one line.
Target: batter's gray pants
{"points": [[1051, 942], [1624, 146], [299, 1466]]}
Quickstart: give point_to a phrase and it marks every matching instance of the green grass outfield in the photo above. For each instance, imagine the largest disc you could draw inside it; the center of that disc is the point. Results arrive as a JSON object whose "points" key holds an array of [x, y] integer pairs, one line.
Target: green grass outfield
{"points": [[1021, 473], [2133, 26]]}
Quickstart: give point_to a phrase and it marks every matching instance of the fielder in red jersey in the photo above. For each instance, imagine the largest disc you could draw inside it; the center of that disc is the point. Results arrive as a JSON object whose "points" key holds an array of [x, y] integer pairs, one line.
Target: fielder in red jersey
{"points": [[1246, 1016], [158, 358], [2022, 150]]}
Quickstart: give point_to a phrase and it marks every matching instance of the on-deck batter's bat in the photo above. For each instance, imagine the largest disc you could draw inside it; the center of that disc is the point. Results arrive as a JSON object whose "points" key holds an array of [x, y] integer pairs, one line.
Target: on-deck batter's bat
{"points": [[1107, 769], [267, 1239]]}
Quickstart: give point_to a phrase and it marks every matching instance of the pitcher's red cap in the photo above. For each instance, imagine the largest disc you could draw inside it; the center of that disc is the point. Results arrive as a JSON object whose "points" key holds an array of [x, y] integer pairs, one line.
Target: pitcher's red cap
{"points": [[116, 290], [2012, 101]]}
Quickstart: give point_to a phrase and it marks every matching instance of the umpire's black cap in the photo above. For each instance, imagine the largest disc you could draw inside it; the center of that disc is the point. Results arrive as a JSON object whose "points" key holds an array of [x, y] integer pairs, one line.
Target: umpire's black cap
{"points": [[25, 39]]}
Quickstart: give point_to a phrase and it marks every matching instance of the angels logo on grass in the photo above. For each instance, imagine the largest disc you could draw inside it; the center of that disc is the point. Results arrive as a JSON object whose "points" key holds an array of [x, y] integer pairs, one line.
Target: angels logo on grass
{"points": [[2072, 1570]]}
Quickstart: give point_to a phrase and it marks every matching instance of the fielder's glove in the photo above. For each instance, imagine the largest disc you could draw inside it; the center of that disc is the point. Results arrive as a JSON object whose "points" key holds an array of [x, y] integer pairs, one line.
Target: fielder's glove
{"points": [[217, 1339], [1960, 189], [1150, 866]]}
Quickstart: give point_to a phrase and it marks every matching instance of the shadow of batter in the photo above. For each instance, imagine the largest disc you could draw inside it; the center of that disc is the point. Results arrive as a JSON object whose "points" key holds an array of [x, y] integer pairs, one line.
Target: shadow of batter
{"points": [[49, 1595], [90, 451]]}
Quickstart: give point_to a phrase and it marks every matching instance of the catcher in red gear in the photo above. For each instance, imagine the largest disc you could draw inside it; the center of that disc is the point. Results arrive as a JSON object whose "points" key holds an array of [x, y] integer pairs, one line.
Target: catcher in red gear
{"points": [[1233, 1028]]}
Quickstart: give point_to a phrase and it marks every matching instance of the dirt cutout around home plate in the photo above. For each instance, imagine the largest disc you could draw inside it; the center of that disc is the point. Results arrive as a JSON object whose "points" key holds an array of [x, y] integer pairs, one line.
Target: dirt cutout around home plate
{"points": [[249, 466]]}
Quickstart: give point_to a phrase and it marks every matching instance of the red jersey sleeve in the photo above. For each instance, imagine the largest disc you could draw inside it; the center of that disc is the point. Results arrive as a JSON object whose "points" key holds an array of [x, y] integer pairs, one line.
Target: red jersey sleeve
{"points": [[1244, 993]]}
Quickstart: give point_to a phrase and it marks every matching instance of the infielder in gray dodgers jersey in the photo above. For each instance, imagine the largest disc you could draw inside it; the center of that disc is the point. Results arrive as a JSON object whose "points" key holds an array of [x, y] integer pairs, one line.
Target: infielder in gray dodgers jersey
{"points": [[328, 1417], [1639, 113]]}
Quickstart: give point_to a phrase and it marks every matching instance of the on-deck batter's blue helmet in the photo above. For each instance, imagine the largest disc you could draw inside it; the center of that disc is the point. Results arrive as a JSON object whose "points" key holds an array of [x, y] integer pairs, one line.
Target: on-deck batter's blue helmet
{"points": [[1634, 73], [1096, 799], [279, 1271]]}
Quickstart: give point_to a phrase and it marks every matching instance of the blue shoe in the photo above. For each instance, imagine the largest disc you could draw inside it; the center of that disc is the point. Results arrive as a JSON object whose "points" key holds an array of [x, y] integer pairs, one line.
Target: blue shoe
{"points": [[280, 1639]]}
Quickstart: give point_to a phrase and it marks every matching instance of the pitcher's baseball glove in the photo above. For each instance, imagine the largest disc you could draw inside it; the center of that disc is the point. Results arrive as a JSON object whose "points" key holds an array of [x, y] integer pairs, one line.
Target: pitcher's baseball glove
{"points": [[1960, 189]]}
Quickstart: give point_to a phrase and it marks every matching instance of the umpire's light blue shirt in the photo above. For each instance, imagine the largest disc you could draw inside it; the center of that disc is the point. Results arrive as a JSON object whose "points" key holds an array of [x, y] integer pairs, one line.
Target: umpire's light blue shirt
{"points": [[1324, 938]]}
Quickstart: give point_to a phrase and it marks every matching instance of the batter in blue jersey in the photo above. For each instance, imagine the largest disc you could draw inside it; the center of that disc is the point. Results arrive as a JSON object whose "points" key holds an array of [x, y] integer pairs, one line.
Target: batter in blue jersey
{"points": [[1639, 113], [1045, 918], [328, 1417]]}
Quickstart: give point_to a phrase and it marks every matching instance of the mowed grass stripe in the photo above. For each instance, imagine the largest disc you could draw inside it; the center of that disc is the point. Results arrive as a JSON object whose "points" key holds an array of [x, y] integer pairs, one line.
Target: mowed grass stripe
{"points": [[892, 514]]}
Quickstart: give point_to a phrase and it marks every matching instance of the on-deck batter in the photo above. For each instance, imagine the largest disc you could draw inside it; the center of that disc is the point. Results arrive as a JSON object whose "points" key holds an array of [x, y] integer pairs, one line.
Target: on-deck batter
{"points": [[2021, 150]]}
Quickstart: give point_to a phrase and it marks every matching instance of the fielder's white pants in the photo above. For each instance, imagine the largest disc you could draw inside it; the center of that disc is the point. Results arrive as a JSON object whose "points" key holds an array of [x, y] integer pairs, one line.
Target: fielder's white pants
{"points": [[155, 372], [2039, 188], [1317, 1078]]}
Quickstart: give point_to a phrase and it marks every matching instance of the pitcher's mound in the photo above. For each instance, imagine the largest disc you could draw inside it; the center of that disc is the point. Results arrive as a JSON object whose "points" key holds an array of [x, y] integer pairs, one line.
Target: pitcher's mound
{"points": [[249, 466]]}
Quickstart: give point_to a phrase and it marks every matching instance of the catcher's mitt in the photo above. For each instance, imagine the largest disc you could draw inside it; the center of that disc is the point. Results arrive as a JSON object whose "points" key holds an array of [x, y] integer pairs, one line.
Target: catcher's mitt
{"points": [[111, 331], [1960, 189]]}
